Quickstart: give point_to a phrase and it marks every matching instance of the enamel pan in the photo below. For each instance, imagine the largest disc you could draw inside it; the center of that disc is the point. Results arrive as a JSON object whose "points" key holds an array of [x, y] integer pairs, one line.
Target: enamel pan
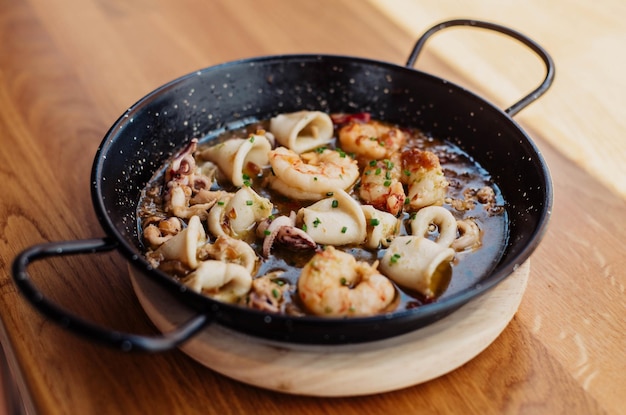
{"points": [[232, 94]]}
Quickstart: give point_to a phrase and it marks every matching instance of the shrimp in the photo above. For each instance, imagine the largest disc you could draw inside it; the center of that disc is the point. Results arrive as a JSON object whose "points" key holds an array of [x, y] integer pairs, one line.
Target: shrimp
{"points": [[381, 186], [311, 175], [372, 140], [423, 175], [334, 284]]}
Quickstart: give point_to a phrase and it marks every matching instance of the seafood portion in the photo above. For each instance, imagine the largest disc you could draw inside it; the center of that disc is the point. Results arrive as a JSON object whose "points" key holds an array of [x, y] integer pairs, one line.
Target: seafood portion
{"points": [[239, 158], [414, 261], [283, 230], [469, 235], [381, 227], [183, 246], [157, 231], [230, 250], [371, 140], [237, 214], [435, 218], [312, 175], [184, 180], [223, 281], [268, 293], [336, 220], [335, 284], [348, 216], [424, 177], [303, 130], [381, 184]]}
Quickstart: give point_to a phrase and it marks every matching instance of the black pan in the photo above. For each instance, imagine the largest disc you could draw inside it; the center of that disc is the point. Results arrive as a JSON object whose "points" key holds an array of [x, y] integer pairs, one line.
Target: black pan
{"points": [[232, 94]]}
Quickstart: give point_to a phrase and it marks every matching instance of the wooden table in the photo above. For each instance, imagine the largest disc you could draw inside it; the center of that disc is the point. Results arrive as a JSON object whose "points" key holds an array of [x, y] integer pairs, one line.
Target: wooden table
{"points": [[69, 68]]}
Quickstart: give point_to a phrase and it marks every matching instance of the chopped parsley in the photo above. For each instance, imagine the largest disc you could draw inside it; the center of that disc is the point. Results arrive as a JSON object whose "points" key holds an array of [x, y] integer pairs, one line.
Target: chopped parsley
{"points": [[246, 180]]}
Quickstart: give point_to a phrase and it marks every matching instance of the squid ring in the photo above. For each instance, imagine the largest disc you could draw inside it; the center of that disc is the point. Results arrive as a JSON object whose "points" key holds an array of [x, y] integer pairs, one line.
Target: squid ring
{"points": [[439, 216]]}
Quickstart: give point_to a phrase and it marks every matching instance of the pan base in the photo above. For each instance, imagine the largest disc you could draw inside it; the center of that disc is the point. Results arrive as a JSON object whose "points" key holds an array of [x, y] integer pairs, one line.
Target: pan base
{"points": [[344, 370]]}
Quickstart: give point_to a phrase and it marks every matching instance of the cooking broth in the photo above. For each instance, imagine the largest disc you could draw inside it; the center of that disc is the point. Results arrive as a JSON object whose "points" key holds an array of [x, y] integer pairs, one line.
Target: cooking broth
{"points": [[470, 194]]}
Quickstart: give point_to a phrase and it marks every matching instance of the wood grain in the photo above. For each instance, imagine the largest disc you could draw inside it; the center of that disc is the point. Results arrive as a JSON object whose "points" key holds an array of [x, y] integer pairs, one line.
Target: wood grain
{"points": [[583, 39], [69, 68]]}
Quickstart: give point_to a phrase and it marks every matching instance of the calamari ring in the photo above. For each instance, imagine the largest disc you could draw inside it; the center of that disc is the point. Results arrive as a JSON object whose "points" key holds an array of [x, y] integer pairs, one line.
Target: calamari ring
{"points": [[435, 215], [223, 281], [303, 130], [469, 235]]}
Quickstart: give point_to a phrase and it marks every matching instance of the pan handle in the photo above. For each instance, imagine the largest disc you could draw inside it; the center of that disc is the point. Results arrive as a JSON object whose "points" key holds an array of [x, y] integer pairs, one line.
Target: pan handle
{"points": [[545, 57], [123, 341]]}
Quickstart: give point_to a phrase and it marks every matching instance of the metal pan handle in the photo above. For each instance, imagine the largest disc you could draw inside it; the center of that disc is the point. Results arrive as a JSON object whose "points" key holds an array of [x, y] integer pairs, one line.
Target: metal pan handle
{"points": [[545, 57], [123, 341]]}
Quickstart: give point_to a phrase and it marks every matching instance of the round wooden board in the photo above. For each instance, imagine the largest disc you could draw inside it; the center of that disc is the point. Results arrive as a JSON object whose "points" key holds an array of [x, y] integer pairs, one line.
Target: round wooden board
{"points": [[344, 370]]}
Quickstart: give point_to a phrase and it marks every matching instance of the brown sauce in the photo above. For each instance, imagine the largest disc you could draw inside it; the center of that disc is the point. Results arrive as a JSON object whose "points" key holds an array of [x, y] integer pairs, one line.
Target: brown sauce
{"points": [[466, 179]]}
